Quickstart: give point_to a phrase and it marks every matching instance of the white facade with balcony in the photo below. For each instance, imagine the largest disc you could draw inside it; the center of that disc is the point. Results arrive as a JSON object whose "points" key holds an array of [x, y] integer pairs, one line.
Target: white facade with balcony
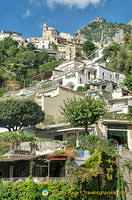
{"points": [[75, 73], [70, 74], [96, 72], [120, 105]]}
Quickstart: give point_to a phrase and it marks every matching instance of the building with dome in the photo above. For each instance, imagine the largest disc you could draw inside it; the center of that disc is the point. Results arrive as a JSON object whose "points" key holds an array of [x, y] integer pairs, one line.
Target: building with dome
{"points": [[49, 33]]}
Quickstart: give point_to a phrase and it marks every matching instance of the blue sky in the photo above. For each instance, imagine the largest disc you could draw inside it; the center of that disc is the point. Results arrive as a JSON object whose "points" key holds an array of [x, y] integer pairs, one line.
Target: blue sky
{"points": [[28, 16]]}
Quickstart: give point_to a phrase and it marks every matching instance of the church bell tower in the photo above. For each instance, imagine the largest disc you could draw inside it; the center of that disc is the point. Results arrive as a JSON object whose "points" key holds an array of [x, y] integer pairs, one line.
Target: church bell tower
{"points": [[44, 30]]}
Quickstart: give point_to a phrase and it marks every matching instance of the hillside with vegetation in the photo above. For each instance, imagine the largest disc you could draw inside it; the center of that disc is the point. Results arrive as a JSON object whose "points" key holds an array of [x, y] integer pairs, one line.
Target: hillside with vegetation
{"points": [[19, 64], [103, 32], [119, 56]]}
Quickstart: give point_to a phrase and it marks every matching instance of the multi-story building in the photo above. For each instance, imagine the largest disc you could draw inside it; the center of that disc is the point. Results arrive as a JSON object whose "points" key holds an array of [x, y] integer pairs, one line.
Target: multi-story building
{"points": [[95, 75], [69, 74], [66, 44], [96, 72], [39, 43], [120, 105], [69, 51]]}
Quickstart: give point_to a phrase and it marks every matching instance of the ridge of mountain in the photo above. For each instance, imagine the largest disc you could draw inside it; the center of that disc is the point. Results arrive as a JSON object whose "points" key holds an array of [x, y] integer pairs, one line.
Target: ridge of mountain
{"points": [[101, 31]]}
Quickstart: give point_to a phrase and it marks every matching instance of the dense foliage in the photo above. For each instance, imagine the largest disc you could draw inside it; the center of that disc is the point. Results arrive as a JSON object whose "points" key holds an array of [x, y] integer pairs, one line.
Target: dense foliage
{"points": [[57, 191], [83, 112], [2, 91], [21, 64], [15, 114], [83, 89], [95, 179], [91, 143], [119, 57], [89, 47], [128, 82]]}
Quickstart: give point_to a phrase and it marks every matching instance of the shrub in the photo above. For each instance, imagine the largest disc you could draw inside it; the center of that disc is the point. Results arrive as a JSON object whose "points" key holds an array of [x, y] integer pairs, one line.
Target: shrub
{"points": [[2, 91]]}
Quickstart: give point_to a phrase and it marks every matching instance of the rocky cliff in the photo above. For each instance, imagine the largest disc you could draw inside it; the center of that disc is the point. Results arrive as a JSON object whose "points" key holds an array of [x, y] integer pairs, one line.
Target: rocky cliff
{"points": [[103, 32]]}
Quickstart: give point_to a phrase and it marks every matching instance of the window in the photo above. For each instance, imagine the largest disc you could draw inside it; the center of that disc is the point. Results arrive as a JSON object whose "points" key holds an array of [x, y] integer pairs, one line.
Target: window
{"points": [[103, 87], [103, 75], [1, 173], [58, 137], [95, 74], [88, 75], [80, 81], [60, 82], [21, 170], [117, 76], [42, 171]]}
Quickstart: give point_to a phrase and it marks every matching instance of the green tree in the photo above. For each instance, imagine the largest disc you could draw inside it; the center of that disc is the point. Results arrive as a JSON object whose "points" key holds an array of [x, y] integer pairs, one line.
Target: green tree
{"points": [[42, 57], [127, 38], [12, 138], [49, 66], [21, 74], [83, 112], [15, 114], [128, 82], [31, 47], [83, 89], [89, 47], [22, 63], [22, 49], [12, 51], [8, 42], [2, 79], [129, 116], [26, 58], [8, 48], [111, 50], [2, 91], [54, 46], [16, 138]]}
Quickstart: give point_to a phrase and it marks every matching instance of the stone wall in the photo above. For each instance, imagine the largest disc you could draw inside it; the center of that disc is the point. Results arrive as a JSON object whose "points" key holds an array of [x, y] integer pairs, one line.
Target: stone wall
{"points": [[42, 146]]}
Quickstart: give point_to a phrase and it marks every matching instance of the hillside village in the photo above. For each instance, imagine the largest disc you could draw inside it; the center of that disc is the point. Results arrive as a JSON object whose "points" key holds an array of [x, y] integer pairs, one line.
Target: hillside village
{"points": [[76, 76]]}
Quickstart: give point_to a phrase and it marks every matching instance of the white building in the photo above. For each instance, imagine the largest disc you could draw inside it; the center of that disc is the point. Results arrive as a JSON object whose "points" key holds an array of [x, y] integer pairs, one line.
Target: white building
{"points": [[70, 74], [96, 72], [98, 54], [120, 105], [75, 73], [14, 35], [39, 43], [66, 35], [69, 51]]}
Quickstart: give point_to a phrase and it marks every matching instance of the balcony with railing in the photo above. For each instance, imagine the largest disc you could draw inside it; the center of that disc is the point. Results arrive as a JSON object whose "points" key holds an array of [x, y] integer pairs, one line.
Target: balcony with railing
{"points": [[50, 84]]}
